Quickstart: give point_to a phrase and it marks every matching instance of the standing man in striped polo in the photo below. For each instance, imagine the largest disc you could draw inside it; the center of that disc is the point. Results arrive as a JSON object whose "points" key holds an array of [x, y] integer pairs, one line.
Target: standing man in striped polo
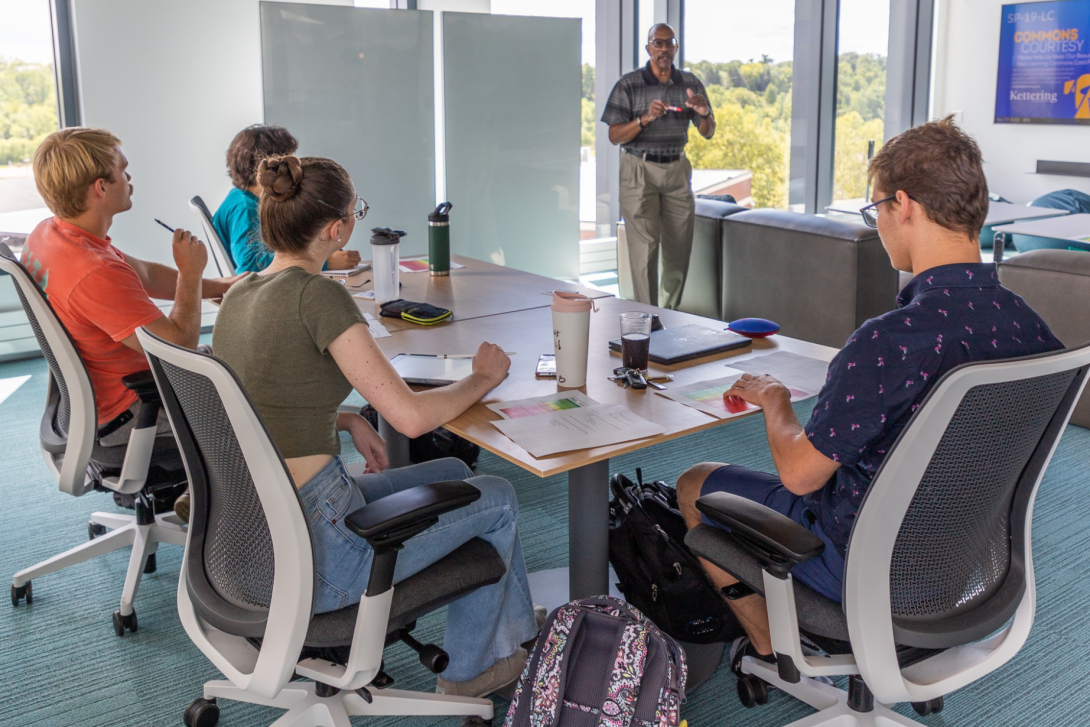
{"points": [[649, 112]]}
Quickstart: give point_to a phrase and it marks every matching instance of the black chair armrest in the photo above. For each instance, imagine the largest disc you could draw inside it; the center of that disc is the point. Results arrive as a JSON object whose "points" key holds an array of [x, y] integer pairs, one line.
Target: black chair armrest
{"points": [[389, 522], [775, 541], [143, 383]]}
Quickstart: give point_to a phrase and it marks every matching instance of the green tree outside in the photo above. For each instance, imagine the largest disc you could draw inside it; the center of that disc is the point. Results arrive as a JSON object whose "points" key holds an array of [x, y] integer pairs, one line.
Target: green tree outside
{"points": [[28, 111], [590, 122], [752, 103]]}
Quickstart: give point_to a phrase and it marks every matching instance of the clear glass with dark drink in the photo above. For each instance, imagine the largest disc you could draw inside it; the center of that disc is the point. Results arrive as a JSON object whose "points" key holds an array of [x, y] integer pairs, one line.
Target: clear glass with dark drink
{"points": [[635, 339]]}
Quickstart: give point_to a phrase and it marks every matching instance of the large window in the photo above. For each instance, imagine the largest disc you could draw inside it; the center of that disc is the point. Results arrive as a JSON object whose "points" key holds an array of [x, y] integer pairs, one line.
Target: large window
{"points": [[28, 105], [862, 44], [743, 57]]}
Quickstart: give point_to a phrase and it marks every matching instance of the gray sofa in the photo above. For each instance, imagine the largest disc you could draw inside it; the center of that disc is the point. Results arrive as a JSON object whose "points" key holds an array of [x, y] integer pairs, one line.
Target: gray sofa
{"points": [[1056, 284], [819, 278]]}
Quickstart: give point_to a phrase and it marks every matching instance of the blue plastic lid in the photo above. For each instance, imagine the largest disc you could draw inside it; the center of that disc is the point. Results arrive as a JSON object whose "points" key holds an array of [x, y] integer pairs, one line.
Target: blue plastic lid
{"points": [[753, 327]]}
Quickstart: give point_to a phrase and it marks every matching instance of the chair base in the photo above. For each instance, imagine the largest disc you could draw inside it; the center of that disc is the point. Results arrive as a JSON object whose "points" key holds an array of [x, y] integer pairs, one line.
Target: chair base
{"points": [[306, 709], [124, 532], [831, 703]]}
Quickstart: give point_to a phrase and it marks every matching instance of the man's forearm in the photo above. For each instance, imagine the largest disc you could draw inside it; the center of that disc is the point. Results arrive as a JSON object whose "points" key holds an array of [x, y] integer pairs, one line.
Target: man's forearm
{"points": [[624, 133], [186, 313], [793, 454], [707, 126]]}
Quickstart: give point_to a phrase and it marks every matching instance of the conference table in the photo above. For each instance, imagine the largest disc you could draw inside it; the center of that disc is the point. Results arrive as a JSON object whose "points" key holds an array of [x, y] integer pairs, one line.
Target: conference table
{"points": [[522, 323], [1074, 229]]}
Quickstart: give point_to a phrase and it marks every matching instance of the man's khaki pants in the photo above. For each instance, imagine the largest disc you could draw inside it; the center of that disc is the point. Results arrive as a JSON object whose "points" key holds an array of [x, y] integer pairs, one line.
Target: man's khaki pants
{"points": [[658, 207]]}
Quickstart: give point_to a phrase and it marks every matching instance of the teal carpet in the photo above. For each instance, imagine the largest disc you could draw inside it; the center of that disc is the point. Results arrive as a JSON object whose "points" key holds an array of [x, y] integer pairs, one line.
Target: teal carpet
{"points": [[61, 664]]}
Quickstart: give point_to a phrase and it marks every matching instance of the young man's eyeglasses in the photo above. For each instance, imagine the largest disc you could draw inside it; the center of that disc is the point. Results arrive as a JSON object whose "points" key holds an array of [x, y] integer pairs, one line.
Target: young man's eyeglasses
{"points": [[360, 214], [870, 212], [663, 43]]}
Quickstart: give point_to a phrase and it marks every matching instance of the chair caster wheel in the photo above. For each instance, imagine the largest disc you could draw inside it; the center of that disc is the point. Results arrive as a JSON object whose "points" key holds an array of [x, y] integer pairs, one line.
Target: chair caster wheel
{"points": [[149, 564], [933, 706], [751, 691], [324, 690], [94, 530], [24, 592], [202, 713], [434, 659], [123, 623]]}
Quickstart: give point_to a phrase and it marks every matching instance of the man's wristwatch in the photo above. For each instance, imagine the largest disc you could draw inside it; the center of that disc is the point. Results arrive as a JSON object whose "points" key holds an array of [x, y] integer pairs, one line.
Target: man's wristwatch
{"points": [[639, 121]]}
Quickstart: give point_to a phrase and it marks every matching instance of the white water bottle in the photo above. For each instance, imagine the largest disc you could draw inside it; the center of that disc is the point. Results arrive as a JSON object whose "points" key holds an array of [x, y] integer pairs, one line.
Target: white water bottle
{"points": [[384, 263], [571, 336]]}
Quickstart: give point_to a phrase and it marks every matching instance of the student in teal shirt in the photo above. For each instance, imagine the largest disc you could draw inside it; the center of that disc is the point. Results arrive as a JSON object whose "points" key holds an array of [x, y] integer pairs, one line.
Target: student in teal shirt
{"points": [[236, 221]]}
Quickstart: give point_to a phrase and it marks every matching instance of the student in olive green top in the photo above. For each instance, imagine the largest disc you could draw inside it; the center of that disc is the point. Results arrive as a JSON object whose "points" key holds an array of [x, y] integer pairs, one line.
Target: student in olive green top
{"points": [[299, 345]]}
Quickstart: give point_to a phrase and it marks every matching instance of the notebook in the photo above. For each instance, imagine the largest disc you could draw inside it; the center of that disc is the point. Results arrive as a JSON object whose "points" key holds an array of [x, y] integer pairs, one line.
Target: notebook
{"points": [[674, 345], [430, 370]]}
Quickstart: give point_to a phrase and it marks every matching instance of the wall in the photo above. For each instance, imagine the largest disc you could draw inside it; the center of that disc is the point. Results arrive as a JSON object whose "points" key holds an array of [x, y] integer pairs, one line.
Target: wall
{"points": [[175, 81], [966, 64]]}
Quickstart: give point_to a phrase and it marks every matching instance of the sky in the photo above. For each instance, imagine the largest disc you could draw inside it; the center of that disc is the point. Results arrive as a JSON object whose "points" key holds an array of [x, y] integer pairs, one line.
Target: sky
{"points": [[25, 31], [715, 30]]}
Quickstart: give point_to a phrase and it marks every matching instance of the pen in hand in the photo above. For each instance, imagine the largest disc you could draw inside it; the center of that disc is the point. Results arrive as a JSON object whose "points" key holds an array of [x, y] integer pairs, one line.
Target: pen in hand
{"points": [[164, 224]]}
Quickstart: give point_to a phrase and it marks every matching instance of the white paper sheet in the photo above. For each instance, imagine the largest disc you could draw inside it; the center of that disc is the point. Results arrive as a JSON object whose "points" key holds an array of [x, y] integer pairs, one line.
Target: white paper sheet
{"points": [[563, 431], [792, 369], [707, 396], [560, 401], [377, 329], [366, 295]]}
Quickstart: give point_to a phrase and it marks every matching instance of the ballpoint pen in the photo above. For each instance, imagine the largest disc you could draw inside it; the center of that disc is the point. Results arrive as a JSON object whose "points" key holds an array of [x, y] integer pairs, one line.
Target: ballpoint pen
{"points": [[164, 224]]}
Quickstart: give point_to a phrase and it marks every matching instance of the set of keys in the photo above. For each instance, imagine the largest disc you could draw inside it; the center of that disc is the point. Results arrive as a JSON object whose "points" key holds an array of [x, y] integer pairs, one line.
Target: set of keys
{"points": [[635, 378]]}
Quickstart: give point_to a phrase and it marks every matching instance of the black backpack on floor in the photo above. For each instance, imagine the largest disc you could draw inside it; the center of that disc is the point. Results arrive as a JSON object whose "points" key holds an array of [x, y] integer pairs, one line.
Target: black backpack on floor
{"points": [[658, 574]]}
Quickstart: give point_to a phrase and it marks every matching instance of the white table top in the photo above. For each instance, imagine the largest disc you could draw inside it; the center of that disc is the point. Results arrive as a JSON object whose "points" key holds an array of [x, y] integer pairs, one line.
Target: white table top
{"points": [[1070, 227], [22, 222], [1001, 213]]}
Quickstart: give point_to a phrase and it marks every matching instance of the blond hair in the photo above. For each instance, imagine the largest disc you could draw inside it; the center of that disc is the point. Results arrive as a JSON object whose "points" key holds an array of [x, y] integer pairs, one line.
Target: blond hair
{"points": [[68, 162]]}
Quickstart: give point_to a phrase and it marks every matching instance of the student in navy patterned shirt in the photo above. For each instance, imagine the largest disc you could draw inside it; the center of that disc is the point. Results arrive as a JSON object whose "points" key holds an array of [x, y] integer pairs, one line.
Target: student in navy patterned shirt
{"points": [[930, 200]]}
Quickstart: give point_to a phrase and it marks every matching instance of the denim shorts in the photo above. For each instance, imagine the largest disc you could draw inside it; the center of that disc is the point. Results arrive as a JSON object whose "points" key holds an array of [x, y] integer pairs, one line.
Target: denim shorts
{"points": [[823, 574]]}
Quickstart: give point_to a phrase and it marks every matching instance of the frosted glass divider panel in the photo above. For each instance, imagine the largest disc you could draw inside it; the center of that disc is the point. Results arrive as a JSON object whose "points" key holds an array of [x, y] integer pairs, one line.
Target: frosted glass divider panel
{"points": [[513, 86], [356, 85]]}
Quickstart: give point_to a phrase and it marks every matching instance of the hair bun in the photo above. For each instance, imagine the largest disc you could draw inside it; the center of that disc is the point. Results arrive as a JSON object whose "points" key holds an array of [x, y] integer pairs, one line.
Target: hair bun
{"points": [[279, 177]]}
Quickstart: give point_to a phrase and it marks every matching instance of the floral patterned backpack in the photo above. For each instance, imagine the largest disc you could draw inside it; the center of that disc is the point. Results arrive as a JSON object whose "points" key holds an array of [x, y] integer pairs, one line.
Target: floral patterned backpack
{"points": [[599, 662]]}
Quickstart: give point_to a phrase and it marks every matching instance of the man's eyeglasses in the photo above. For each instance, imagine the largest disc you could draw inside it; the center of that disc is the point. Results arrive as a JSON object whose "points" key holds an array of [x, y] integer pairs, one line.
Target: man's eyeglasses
{"points": [[360, 214], [663, 43], [870, 212]]}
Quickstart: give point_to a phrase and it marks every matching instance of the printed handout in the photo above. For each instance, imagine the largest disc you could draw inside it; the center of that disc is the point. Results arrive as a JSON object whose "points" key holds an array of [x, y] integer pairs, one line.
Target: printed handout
{"points": [[561, 431]]}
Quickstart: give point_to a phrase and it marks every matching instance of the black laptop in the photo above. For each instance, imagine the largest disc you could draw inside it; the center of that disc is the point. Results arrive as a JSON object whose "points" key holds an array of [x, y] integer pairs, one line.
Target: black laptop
{"points": [[674, 345]]}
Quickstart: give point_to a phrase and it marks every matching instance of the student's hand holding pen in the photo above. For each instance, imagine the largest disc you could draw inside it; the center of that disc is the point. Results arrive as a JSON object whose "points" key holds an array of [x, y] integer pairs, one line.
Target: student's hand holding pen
{"points": [[190, 254], [343, 260]]}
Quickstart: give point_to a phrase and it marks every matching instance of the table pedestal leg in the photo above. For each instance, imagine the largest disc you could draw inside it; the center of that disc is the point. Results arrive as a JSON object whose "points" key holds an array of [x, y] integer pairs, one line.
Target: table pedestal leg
{"points": [[397, 444], [588, 530]]}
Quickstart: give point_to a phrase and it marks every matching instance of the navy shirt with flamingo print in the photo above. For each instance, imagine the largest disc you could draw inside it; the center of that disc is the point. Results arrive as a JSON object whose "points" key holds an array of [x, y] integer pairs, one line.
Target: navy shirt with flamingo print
{"points": [[946, 316]]}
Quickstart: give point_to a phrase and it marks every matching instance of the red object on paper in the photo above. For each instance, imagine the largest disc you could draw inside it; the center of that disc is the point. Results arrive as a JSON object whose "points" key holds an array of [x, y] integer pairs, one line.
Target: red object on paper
{"points": [[735, 404]]}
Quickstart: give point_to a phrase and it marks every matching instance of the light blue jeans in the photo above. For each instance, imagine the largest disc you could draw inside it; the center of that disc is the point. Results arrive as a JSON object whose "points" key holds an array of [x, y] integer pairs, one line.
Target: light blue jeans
{"points": [[483, 626]]}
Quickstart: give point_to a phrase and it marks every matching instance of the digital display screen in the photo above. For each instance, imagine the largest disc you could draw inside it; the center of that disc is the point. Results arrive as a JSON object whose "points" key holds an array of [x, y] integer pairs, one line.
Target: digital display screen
{"points": [[1044, 63]]}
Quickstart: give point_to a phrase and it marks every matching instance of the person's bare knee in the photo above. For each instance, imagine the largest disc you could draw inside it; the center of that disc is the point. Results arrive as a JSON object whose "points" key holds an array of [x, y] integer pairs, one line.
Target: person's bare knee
{"points": [[688, 490]]}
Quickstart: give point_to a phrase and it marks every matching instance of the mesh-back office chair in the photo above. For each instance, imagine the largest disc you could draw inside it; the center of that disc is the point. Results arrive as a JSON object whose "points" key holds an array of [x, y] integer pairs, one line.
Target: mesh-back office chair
{"points": [[70, 446], [938, 585], [246, 593], [220, 256]]}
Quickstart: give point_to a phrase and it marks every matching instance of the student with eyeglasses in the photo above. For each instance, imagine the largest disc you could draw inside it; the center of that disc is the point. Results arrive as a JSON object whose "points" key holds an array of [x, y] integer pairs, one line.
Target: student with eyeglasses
{"points": [[649, 112], [929, 204]]}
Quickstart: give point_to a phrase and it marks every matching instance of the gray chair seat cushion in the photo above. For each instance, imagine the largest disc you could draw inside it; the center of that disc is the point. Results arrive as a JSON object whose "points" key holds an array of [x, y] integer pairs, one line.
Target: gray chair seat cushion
{"points": [[818, 616], [464, 570]]}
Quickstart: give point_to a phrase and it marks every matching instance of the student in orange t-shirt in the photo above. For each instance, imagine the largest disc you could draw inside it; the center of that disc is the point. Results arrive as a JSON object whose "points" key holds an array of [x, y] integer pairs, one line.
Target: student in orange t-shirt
{"points": [[100, 294]]}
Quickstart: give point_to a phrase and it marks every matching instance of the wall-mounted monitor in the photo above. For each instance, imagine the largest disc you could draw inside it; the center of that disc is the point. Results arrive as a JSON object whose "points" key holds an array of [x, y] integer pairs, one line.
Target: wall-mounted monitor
{"points": [[1044, 63]]}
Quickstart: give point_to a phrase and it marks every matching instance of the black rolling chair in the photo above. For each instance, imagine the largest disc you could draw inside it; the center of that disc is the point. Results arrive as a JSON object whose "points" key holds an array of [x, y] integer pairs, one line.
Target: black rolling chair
{"points": [[246, 592], [939, 584], [147, 465]]}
